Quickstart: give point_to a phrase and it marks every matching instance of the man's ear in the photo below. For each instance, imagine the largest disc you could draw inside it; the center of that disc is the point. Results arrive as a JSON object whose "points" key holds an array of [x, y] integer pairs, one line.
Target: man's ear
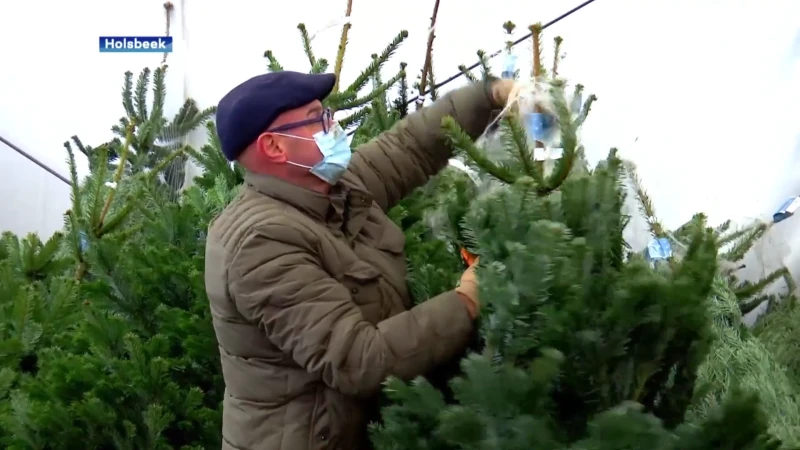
{"points": [[271, 147]]}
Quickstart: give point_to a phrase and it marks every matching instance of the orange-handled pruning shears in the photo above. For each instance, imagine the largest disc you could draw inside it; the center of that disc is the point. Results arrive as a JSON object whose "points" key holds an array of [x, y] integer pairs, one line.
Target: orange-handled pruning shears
{"points": [[468, 257]]}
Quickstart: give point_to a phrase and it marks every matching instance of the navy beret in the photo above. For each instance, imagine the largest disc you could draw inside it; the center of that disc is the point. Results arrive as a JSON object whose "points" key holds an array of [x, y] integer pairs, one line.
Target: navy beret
{"points": [[248, 109]]}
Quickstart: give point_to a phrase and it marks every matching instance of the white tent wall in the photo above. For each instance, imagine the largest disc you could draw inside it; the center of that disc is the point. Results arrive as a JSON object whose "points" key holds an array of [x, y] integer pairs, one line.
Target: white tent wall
{"points": [[703, 95], [55, 84]]}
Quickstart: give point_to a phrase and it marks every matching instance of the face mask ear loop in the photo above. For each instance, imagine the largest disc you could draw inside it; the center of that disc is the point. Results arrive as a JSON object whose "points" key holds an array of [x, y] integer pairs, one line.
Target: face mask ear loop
{"points": [[299, 165], [295, 137]]}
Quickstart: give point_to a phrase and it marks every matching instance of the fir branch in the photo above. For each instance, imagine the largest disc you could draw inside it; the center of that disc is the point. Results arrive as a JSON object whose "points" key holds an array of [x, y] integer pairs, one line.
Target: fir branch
{"points": [[127, 95], [377, 79], [587, 106], [379, 109], [722, 228], [321, 66], [684, 232], [159, 93], [112, 223], [433, 91], [140, 98], [75, 192], [272, 63], [469, 75], [747, 306], [427, 65], [509, 28], [210, 158], [516, 138], [577, 91], [72, 226], [569, 144], [337, 68], [363, 78], [312, 61], [461, 142], [748, 289], [334, 99], [483, 62], [116, 179], [80, 146], [152, 174], [730, 237], [185, 114], [377, 92], [536, 36], [99, 180], [745, 241], [556, 54], [401, 102], [188, 118], [644, 201], [355, 118], [791, 286]]}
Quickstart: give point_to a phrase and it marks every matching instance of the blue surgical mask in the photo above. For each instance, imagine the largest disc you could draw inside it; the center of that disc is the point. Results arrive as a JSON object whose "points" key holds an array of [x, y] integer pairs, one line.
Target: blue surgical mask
{"points": [[335, 151]]}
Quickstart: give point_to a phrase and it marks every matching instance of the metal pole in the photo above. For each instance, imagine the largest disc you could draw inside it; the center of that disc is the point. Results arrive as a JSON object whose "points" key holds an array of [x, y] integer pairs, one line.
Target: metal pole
{"points": [[34, 160]]}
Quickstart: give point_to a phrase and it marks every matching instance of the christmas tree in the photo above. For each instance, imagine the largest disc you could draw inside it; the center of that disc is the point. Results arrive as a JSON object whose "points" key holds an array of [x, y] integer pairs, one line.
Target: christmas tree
{"points": [[144, 138], [740, 358], [585, 345], [107, 339]]}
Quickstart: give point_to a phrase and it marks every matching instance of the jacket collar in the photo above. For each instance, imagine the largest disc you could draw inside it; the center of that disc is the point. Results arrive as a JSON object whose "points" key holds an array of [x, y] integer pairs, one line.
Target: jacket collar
{"points": [[343, 205]]}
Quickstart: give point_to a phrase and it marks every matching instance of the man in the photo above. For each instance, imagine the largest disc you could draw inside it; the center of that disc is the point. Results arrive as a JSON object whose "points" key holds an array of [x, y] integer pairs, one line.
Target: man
{"points": [[306, 274]]}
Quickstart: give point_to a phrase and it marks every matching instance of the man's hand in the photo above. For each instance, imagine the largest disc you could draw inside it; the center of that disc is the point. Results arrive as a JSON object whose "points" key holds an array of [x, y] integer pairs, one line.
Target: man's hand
{"points": [[501, 90], [468, 290]]}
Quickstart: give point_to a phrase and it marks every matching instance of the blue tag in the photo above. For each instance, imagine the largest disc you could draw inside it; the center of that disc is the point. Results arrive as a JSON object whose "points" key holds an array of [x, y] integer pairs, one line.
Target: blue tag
{"points": [[658, 249], [540, 126], [787, 209], [84, 242], [509, 66]]}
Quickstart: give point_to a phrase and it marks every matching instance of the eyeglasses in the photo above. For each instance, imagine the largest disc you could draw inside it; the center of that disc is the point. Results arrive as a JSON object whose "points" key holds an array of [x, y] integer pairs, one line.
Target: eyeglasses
{"points": [[325, 119]]}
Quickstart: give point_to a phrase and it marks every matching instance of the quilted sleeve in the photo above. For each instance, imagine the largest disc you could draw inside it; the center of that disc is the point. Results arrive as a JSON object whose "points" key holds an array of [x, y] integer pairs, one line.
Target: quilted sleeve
{"points": [[278, 283], [405, 157]]}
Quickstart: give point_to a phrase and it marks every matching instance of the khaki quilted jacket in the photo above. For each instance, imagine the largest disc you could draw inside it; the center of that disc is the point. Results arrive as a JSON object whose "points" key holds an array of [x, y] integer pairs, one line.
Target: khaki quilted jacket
{"points": [[309, 298]]}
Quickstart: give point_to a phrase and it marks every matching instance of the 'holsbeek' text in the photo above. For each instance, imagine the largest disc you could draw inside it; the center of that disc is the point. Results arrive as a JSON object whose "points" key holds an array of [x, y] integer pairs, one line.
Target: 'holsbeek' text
{"points": [[135, 44]]}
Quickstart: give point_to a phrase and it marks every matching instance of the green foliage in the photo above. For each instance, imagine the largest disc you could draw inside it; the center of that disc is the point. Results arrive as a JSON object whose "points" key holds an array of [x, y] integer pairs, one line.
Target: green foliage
{"points": [[779, 331], [153, 137], [585, 345], [119, 353], [756, 361], [429, 218], [583, 349], [105, 332], [215, 164]]}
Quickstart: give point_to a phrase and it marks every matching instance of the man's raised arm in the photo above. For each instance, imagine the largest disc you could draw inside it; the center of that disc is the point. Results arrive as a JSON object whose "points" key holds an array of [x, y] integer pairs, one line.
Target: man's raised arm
{"points": [[405, 157], [310, 316]]}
